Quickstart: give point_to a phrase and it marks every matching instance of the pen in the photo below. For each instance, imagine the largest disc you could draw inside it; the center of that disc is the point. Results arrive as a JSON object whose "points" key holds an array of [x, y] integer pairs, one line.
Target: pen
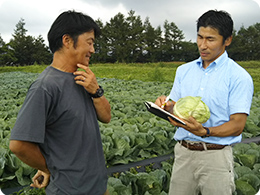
{"points": [[167, 99]]}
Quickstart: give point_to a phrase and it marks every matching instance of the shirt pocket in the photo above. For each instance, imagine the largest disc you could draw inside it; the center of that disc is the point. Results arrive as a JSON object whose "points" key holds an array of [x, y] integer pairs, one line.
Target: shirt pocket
{"points": [[219, 98]]}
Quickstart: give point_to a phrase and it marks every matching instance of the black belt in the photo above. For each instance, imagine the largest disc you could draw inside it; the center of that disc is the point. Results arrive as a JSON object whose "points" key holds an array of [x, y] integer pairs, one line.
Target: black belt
{"points": [[200, 146]]}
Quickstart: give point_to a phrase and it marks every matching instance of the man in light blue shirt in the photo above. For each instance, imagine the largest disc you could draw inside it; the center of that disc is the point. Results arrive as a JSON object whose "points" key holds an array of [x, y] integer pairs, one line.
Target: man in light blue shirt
{"points": [[203, 156], [224, 86]]}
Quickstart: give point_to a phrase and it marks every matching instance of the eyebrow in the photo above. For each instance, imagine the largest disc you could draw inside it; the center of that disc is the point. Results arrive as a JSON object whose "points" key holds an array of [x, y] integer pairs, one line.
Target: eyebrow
{"points": [[90, 38], [207, 37]]}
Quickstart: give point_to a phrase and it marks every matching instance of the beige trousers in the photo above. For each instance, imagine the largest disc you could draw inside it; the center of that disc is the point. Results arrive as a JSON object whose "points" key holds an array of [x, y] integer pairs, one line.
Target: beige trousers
{"points": [[209, 172]]}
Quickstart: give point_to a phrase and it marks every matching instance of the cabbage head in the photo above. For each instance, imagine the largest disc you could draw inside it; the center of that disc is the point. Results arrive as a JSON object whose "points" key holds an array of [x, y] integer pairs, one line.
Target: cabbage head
{"points": [[192, 106]]}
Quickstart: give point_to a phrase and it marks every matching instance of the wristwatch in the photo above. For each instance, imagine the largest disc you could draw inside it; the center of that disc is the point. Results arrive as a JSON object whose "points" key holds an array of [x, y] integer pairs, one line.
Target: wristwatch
{"points": [[207, 134], [99, 93]]}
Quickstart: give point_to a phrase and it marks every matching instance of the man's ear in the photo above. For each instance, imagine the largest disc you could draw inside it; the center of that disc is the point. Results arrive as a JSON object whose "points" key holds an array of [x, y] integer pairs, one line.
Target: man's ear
{"points": [[228, 41], [67, 41]]}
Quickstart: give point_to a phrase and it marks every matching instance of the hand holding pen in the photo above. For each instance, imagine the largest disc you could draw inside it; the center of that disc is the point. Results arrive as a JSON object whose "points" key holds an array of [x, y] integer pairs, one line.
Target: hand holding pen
{"points": [[166, 100]]}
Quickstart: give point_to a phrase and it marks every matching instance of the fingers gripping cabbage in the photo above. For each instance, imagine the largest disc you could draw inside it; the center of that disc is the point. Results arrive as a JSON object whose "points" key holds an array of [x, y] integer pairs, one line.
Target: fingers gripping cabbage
{"points": [[192, 106]]}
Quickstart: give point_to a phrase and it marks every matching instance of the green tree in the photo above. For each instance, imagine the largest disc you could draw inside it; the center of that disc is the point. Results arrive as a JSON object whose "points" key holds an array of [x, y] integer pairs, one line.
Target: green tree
{"points": [[41, 53], [250, 38], [2, 50], [189, 51], [152, 42], [27, 50], [22, 45], [246, 43], [101, 47], [173, 37], [6, 55], [256, 43], [2, 43], [235, 49], [134, 38], [117, 30]]}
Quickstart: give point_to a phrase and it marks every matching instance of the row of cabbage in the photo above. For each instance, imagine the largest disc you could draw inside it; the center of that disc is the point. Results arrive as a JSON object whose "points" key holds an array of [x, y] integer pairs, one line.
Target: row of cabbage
{"points": [[132, 135]]}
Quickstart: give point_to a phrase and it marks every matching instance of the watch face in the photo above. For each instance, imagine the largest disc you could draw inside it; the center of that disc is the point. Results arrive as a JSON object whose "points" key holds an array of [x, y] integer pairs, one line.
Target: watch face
{"points": [[98, 93]]}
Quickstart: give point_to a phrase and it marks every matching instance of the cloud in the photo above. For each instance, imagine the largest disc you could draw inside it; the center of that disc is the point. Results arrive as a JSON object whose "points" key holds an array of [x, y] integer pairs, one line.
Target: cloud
{"points": [[39, 15], [186, 12], [258, 2]]}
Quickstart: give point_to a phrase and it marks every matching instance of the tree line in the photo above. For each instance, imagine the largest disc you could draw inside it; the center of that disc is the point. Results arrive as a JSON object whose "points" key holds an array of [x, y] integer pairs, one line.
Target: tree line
{"points": [[23, 49], [128, 39]]}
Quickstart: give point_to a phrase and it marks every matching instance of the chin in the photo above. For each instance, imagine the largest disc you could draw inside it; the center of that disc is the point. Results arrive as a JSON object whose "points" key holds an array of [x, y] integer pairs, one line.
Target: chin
{"points": [[205, 58], [85, 63]]}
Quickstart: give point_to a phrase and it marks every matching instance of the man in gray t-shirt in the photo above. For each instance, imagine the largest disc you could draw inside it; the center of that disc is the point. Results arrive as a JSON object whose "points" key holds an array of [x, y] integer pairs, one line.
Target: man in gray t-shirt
{"points": [[57, 128]]}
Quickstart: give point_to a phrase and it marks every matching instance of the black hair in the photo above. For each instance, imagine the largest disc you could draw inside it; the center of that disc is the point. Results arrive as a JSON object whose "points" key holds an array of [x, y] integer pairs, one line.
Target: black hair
{"points": [[219, 20], [73, 24]]}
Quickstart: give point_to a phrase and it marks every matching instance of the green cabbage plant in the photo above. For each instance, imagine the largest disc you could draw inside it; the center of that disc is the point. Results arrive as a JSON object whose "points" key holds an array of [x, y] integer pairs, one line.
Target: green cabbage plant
{"points": [[192, 106]]}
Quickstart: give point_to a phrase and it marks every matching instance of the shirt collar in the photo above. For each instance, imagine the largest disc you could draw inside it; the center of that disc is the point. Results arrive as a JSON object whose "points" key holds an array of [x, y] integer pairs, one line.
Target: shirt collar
{"points": [[217, 62]]}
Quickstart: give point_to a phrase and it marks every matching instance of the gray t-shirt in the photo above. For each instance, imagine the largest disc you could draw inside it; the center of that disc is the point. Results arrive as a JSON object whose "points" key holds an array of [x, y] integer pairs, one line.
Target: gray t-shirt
{"points": [[60, 116]]}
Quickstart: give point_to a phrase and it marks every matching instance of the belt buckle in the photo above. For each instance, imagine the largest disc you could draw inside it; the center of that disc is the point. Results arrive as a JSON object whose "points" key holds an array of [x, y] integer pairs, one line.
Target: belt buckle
{"points": [[204, 146], [197, 145]]}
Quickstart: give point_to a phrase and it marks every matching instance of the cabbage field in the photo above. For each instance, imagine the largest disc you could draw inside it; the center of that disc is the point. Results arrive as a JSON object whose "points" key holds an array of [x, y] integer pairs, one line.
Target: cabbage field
{"points": [[132, 136]]}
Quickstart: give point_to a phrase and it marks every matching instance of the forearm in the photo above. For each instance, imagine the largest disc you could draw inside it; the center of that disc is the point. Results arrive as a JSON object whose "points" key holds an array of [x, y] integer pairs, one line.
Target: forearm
{"points": [[29, 153], [230, 128], [103, 109], [233, 127]]}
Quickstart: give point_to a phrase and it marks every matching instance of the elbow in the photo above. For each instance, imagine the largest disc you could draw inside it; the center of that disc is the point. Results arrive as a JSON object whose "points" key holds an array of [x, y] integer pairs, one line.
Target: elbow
{"points": [[239, 132], [107, 119], [238, 122], [109, 116], [240, 128], [18, 147], [14, 146]]}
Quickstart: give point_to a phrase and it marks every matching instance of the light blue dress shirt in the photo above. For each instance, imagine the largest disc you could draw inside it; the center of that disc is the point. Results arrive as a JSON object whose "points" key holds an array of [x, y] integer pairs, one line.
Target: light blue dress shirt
{"points": [[224, 86]]}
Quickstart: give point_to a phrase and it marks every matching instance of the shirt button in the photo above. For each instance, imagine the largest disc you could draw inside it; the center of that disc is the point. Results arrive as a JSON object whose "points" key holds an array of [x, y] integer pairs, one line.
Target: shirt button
{"points": [[201, 89], [189, 134], [206, 73]]}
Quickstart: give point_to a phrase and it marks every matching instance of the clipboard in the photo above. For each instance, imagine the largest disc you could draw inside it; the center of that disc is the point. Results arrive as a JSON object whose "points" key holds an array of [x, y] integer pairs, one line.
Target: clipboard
{"points": [[156, 110]]}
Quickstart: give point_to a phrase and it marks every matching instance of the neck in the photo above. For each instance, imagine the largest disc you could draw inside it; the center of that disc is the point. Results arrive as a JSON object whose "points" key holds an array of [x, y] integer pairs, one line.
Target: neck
{"points": [[62, 63], [206, 64]]}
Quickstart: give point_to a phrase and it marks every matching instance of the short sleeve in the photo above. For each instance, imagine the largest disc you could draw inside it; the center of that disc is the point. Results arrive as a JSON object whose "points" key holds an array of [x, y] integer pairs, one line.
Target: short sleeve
{"points": [[175, 91], [31, 119], [241, 93]]}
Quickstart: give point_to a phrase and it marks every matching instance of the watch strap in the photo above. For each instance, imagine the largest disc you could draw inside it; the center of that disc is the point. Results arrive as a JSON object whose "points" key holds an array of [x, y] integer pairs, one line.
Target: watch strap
{"points": [[99, 93], [207, 134]]}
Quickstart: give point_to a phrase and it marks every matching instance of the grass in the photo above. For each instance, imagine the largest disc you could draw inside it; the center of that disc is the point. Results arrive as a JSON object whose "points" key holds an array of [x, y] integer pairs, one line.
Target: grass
{"points": [[143, 72], [253, 68], [162, 71], [31, 68]]}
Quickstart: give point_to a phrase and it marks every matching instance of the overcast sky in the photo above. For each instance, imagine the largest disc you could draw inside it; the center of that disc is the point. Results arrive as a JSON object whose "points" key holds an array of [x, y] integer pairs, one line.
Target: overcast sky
{"points": [[39, 14]]}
